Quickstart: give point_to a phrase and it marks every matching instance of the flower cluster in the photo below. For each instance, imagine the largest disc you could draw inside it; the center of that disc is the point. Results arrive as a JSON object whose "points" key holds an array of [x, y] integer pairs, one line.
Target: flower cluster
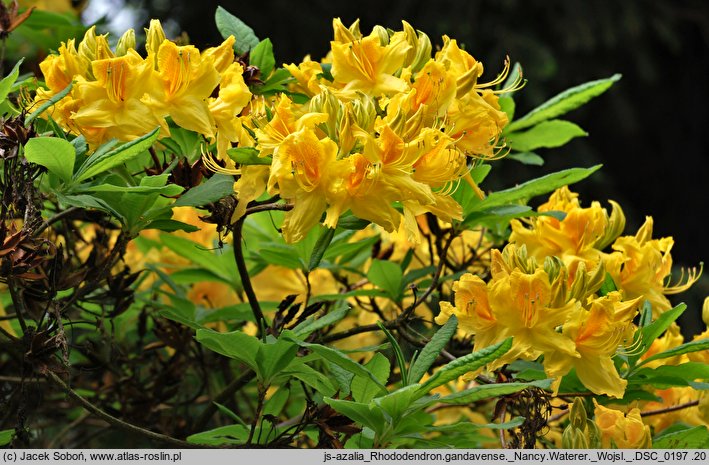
{"points": [[385, 132], [547, 290], [120, 94]]}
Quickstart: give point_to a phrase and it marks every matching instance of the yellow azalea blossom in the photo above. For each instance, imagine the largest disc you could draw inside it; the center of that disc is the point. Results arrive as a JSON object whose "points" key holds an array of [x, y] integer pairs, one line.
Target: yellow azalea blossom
{"points": [[622, 431], [310, 178], [573, 239], [523, 305], [111, 104], [597, 334], [365, 64], [184, 82], [643, 267], [472, 308], [461, 65], [475, 122], [306, 76], [233, 97], [285, 121], [250, 186]]}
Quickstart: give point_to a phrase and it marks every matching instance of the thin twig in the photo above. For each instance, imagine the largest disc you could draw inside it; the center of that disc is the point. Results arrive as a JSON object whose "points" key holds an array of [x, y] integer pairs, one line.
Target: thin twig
{"points": [[244, 274], [673, 408], [116, 421], [268, 207], [59, 216]]}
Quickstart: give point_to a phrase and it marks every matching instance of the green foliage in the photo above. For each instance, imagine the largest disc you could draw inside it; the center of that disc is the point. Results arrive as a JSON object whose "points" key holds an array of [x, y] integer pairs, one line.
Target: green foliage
{"points": [[562, 103], [55, 154], [230, 25]]}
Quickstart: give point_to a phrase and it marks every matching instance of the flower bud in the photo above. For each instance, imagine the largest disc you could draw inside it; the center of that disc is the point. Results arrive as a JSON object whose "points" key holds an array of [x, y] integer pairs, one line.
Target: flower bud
{"points": [[383, 35], [125, 43], [155, 36], [364, 111]]}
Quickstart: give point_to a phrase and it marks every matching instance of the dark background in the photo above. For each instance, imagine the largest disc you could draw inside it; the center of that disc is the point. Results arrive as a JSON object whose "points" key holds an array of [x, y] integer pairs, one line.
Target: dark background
{"points": [[649, 130]]}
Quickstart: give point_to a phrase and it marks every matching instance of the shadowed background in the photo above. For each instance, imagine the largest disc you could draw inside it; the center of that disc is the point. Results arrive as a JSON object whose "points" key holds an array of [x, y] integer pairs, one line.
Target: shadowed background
{"points": [[649, 131]]}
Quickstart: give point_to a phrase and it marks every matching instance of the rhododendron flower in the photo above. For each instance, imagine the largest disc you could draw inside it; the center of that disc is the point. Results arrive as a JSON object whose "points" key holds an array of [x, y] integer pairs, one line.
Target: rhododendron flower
{"points": [[621, 431]]}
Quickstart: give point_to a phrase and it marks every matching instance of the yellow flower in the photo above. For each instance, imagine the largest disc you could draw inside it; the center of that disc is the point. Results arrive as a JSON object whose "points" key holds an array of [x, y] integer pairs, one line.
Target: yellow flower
{"points": [[643, 266], [576, 238], [622, 431], [233, 96], [597, 334], [306, 76], [184, 82], [111, 106], [365, 63], [525, 307], [310, 178], [472, 308]]}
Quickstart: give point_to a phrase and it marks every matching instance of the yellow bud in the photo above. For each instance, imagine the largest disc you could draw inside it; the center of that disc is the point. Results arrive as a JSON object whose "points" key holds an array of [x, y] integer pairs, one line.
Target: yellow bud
{"points": [[616, 225], [383, 35], [87, 46], [423, 52], [705, 311], [326, 102], [577, 414], [154, 37], [103, 49], [125, 43], [364, 111]]}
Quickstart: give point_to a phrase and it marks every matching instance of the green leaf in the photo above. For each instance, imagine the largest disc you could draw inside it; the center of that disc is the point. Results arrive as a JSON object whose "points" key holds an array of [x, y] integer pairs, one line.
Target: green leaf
{"points": [[398, 353], [312, 378], [213, 189], [693, 346], [309, 326], [649, 333], [486, 391], [547, 134], [465, 364], [169, 190], [507, 104], [273, 357], [9, 80], [690, 438], [386, 276], [171, 226], [230, 25], [608, 285], [432, 350], [248, 156], [6, 436], [342, 360], [363, 388], [562, 103], [371, 417], [235, 345], [347, 295], [526, 158], [55, 154], [262, 57], [231, 434], [53, 99], [664, 376], [396, 403], [207, 259], [98, 164], [535, 187], [505, 213], [321, 246]]}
